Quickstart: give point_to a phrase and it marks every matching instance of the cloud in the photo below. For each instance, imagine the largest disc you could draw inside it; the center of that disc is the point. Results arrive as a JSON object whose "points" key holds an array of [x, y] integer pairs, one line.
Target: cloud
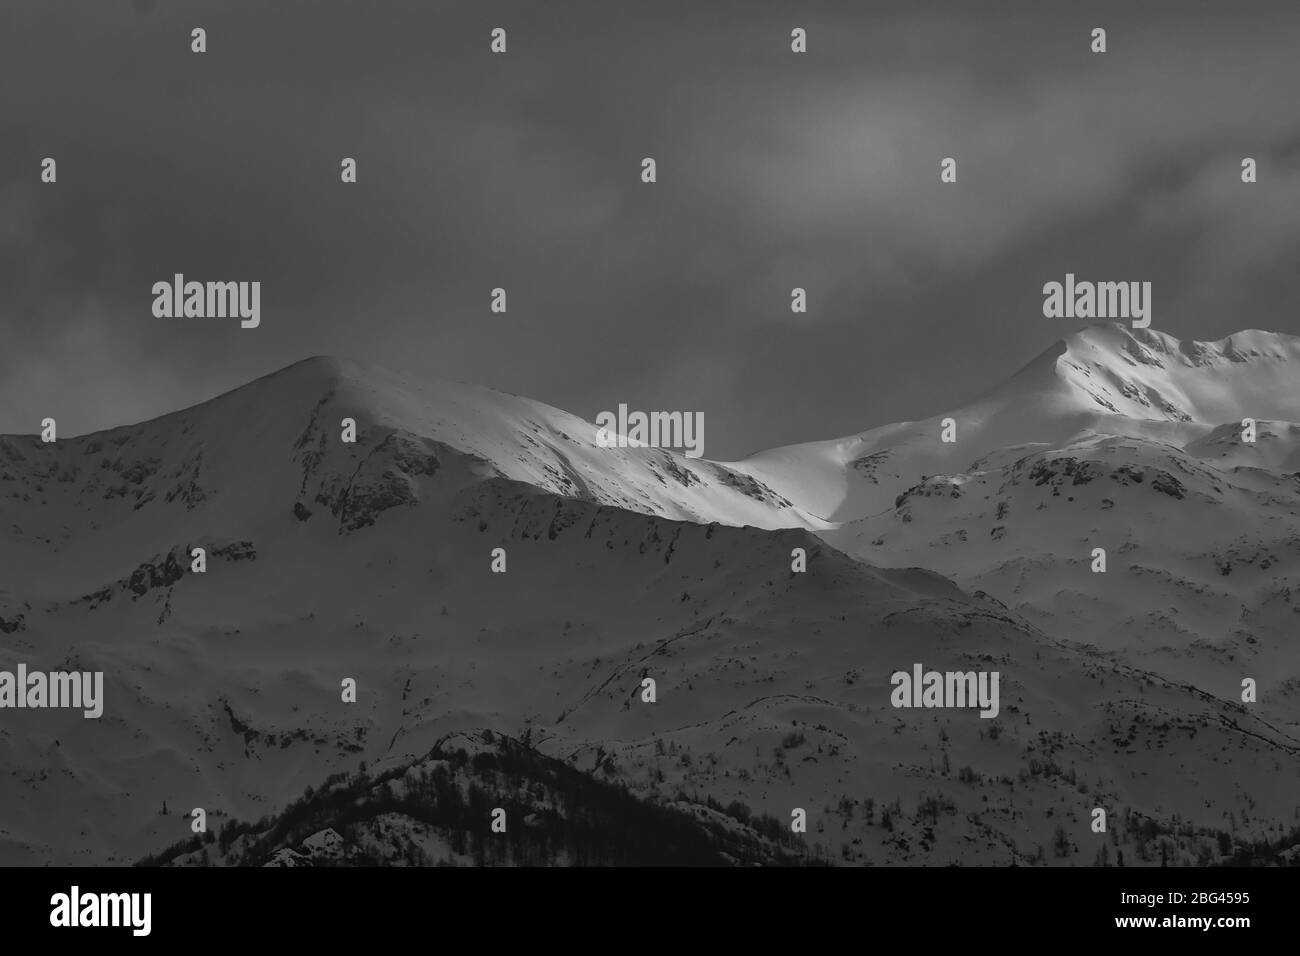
{"points": [[775, 170]]}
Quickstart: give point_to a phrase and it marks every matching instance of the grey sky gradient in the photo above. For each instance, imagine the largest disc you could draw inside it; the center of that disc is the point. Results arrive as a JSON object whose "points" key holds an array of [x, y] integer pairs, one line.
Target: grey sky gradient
{"points": [[522, 171]]}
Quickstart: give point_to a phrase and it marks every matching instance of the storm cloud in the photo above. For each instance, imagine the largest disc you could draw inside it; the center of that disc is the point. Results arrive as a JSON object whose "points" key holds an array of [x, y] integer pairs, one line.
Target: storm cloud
{"points": [[522, 171]]}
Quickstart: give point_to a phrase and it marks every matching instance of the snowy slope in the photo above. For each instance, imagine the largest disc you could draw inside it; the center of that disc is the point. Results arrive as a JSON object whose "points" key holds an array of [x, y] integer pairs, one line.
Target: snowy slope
{"points": [[1202, 563], [1105, 379], [373, 561], [244, 460], [1201, 529], [773, 688]]}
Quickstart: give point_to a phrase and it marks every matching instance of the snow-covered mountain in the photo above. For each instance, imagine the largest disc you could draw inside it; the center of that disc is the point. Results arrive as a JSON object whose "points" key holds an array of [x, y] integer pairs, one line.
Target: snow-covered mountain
{"points": [[1130, 442], [373, 561], [1105, 380], [253, 457]]}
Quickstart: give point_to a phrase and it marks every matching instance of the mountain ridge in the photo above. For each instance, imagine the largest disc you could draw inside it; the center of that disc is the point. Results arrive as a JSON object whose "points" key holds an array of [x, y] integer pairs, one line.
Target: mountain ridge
{"points": [[1104, 379], [771, 635]]}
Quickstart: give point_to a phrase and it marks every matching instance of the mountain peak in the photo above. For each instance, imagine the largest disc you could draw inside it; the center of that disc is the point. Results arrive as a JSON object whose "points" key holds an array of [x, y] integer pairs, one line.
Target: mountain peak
{"points": [[1147, 375], [315, 369], [1105, 379], [1152, 347]]}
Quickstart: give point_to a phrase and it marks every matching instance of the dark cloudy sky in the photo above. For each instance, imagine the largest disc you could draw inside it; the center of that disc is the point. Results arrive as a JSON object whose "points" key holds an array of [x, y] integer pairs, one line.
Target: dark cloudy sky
{"points": [[522, 171]]}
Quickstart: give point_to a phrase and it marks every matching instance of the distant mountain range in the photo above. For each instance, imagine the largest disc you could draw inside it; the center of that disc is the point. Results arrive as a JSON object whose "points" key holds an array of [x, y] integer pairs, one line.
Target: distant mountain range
{"points": [[523, 690]]}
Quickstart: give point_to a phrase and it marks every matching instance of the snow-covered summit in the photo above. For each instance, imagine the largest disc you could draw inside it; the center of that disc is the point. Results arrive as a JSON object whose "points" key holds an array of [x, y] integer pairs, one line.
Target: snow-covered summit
{"points": [[1106, 380], [271, 452]]}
